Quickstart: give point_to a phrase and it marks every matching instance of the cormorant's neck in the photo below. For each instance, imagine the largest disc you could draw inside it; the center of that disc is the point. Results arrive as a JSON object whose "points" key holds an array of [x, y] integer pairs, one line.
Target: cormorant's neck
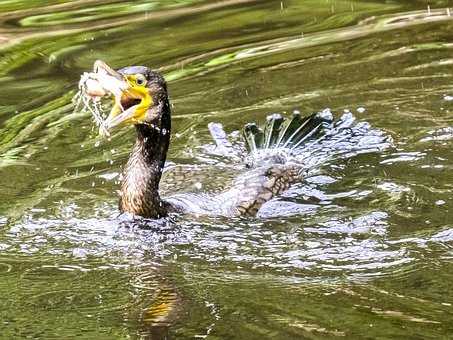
{"points": [[140, 187]]}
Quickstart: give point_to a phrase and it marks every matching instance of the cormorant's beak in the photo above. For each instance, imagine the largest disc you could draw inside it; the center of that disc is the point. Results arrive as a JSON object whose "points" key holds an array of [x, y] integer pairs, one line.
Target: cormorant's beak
{"points": [[131, 101], [130, 108]]}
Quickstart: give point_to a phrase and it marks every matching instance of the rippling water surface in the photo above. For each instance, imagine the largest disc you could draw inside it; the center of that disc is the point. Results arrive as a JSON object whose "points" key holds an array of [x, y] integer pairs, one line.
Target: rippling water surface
{"points": [[362, 249]]}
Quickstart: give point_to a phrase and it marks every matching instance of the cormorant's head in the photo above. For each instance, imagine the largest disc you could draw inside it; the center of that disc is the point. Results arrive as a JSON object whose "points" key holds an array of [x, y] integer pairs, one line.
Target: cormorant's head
{"points": [[140, 95]]}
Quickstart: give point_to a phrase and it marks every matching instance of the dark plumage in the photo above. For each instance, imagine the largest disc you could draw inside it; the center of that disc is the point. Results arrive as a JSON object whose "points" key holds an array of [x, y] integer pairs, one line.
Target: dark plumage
{"points": [[140, 186]]}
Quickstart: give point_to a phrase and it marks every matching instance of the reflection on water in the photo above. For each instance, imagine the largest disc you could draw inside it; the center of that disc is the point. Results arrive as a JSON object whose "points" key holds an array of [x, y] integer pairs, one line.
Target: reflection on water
{"points": [[366, 239]]}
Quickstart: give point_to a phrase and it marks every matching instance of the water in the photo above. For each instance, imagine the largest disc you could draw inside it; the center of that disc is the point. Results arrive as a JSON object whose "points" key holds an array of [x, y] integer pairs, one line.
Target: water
{"points": [[363, 248]]}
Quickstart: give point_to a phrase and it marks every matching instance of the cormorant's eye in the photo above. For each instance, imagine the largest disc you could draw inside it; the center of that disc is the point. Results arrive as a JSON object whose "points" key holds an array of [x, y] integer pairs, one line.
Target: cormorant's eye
{"points": [[140, 79]]}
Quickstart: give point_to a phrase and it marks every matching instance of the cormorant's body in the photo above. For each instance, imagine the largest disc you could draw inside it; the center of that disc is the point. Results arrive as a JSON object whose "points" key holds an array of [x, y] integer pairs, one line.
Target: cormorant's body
{"points": [[142, 173], [268, 175], [246, 195]]}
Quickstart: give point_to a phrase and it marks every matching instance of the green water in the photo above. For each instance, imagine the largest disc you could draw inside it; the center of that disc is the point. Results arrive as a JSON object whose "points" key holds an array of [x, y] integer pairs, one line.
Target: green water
{"points": [[369, 257]]}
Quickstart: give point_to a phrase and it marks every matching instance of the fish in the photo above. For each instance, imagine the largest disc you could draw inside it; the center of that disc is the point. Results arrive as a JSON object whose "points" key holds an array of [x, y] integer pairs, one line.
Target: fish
{"points": [[103, 81]]}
